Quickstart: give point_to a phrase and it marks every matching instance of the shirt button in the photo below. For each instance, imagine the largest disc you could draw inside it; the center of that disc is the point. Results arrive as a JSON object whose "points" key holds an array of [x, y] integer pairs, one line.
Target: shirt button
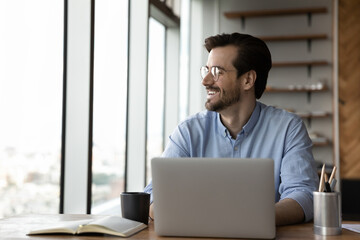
{"points": [[236, 148]]}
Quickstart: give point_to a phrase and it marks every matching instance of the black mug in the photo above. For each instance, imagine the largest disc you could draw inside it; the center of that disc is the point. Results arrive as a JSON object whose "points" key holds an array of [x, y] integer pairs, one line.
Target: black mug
{"points": [[135, 206]]}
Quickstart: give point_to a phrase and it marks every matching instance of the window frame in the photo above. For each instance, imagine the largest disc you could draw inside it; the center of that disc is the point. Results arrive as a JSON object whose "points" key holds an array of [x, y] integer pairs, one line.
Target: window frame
{"points": [[76, 174]]}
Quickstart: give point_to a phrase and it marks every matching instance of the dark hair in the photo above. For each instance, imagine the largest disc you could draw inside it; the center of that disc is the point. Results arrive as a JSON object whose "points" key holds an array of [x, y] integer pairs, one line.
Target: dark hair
{"points": [[253, 54]]}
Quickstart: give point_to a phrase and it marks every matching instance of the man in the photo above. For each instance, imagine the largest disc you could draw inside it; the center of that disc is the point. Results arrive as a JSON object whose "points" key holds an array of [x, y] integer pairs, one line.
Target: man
{"points": [[237, 125]]}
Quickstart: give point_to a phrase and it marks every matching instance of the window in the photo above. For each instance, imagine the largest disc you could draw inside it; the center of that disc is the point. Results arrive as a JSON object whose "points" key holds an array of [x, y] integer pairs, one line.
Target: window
{"points": [[110, 96], [31, 83], [155, 93]]}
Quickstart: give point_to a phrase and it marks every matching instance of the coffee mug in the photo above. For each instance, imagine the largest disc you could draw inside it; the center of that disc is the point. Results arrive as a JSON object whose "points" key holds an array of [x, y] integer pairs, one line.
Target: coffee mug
{"points": [[135, 206]]}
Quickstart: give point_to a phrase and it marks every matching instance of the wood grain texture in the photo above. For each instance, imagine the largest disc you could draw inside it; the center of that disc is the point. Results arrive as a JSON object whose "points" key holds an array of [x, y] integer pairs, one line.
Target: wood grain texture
{"points": [[16, 227], [349, 88]]}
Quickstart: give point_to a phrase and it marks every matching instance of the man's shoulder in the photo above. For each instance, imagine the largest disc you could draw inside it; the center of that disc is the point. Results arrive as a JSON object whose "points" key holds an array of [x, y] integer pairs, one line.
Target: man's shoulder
{"points": [[201, 116], [277, 114]]}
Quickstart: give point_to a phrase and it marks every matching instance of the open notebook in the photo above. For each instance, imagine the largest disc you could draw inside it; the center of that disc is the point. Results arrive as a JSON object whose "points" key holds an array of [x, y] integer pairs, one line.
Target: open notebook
{"points": [[112, 225]]}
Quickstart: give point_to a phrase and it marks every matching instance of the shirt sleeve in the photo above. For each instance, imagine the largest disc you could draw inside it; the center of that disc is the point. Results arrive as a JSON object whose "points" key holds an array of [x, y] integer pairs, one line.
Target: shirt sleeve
{"points": [[175, 148], [148, 189], [298, 171]]}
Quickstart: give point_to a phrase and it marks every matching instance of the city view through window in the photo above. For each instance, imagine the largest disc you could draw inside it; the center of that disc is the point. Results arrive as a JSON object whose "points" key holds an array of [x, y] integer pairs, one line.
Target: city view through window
{"points": [[31, 95], [110, 96], [156, 94], [31, 74]]}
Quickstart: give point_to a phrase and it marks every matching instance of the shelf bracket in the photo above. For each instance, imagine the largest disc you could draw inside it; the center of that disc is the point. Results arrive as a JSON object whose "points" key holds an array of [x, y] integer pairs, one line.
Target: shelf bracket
{"points": [[309, 70], [308, 96], [309, 122], [309, 19], [243, 23], [309, 45]]}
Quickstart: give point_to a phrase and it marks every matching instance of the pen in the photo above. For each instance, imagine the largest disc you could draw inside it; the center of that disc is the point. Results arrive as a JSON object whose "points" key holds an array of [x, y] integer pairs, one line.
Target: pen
{"points": [[332, 184], [332, 175], [327, 185], [321, 185]]}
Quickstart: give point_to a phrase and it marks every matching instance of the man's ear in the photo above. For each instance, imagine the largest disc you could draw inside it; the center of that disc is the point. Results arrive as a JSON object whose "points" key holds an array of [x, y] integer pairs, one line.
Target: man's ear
{"points": [[250, 78]]}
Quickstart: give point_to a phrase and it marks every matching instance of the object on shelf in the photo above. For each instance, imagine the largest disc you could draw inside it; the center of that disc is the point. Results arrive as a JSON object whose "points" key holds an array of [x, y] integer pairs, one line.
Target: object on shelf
{"points": [[320, 114], [313, 135], [318, 139], [303, 114], [314, 86], [319, 86], [299, 88]]}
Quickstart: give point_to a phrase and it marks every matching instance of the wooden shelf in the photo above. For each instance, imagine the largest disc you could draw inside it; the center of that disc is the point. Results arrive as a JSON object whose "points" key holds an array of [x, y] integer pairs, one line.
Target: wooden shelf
{"points": [[275, 12], [321, 144], [300, 63], [280, 90], [313, 115], [319, 140], [294, 37], [309, 116]]}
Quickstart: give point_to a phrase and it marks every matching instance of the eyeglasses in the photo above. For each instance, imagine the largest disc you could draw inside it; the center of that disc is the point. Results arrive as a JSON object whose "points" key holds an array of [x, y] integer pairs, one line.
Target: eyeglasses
{"points": [[215, 71]]}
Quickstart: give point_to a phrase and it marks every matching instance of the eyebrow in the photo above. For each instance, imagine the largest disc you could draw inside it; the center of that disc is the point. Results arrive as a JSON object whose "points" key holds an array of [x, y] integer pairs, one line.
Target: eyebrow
{"points": [[222, 68]]}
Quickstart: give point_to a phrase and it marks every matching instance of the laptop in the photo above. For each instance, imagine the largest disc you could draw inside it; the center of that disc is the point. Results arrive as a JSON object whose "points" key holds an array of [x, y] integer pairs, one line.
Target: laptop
{"points": [[214, 197]]}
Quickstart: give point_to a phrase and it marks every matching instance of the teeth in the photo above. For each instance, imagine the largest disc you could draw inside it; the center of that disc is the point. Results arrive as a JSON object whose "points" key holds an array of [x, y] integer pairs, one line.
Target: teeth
{"points": [[212, 92]]}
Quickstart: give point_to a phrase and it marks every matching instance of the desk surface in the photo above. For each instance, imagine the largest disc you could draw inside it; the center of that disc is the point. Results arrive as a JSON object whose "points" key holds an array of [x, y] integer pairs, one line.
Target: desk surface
{"points": [[16, 228]]}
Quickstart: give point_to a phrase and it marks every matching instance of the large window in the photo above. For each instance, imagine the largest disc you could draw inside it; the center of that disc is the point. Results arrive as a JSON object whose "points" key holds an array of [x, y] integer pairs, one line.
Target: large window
{"points": [[155, 93], [31, 74], [110, 96]]}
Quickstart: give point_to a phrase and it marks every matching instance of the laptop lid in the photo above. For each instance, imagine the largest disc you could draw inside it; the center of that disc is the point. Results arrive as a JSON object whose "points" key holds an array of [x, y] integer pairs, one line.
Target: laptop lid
{"points": [[214, 197]]}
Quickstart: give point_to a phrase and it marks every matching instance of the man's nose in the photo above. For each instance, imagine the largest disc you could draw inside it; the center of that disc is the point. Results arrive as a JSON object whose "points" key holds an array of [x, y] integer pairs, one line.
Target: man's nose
{"points": [[208, 79]]}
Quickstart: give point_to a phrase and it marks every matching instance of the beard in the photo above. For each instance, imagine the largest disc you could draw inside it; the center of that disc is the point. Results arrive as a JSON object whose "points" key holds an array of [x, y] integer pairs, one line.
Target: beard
{"points": [[227, 98]]}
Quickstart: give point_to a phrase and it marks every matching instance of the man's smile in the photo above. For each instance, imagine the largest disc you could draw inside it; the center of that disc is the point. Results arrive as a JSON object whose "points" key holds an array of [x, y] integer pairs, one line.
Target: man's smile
{"points": [[212, 92]]}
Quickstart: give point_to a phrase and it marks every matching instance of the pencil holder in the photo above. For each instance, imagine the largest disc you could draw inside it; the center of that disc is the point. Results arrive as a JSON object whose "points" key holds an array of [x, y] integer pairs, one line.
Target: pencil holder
{"points": [[327, 213]]}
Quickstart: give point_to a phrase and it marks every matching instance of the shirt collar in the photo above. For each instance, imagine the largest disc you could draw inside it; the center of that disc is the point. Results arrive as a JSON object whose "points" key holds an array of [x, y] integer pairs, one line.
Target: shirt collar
{"points": [[253, 119], [247, 127]]}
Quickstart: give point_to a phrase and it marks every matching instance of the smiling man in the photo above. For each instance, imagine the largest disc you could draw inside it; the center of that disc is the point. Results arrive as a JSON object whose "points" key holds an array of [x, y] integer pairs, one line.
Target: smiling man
{"points": [[236, 125]]}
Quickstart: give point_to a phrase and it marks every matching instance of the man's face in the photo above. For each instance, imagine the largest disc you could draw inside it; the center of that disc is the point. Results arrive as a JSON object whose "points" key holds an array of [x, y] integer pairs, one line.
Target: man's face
{"points": [[226, 90]]}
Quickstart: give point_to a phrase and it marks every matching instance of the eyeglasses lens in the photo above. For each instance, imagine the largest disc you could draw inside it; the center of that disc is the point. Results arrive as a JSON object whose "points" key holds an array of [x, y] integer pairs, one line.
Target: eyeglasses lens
{"points": [[204, 71], [214, 72]]}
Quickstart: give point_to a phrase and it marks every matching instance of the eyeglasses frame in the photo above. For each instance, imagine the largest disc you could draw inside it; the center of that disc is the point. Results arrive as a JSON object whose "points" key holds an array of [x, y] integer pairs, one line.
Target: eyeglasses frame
{"points": [[215, 78]]}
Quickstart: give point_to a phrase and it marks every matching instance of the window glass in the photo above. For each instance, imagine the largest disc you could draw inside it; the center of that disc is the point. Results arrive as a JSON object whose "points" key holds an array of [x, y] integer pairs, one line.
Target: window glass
{"points": [[155, 101], [31, 83], [110, 97]]}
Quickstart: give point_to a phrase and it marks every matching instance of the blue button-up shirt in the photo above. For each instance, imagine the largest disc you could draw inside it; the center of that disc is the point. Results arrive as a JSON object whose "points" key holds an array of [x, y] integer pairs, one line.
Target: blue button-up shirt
{"points": [[269, 133]]}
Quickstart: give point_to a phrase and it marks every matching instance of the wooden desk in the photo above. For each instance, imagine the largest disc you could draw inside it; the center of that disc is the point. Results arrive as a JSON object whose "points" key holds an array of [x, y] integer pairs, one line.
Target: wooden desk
{"points": [[17, 227]]}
